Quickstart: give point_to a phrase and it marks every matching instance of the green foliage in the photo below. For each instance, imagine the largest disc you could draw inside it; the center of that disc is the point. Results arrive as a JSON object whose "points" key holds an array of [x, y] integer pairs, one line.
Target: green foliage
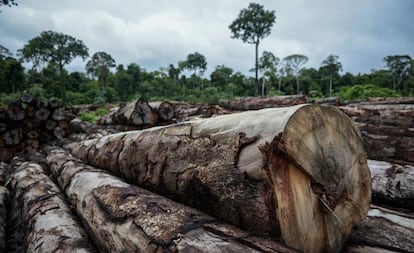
{"points": [[5, 98], [93, 116], [99, 67], [361, 91], [54, 47], [38, 91], [253, 24]]}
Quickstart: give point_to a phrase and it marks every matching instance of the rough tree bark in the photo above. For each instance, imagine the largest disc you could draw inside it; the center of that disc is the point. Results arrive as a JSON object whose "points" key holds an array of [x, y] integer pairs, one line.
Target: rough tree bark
{"points": [[4, 194], [165, 110], [125, 218], [40, 219], [392, 184], [254, 103], [385, 229], [138, 113], [299, 173]]}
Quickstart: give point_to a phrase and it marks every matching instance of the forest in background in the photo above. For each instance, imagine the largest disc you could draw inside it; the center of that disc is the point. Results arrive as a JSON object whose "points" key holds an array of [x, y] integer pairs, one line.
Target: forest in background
{"points": [[105, 81]]}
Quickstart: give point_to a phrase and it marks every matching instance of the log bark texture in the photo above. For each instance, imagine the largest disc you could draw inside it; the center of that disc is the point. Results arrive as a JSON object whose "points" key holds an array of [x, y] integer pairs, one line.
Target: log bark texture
{"points": [[4, 196], [125, 218], [40, 220], [392, 184], [386, 229], [138, 113], [299, 173], [255, 103], [387, 128]]}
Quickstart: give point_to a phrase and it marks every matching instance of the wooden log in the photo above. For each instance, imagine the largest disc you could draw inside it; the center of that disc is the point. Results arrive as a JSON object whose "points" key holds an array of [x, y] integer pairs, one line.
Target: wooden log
{"points": [[42, 114], [386, 229], [13, 137], [389, 148], [124, 218], [392, 184], [255, 103], [165, 110], [138, 113], [27, 97], [4, 195], [40, 219], [290, 172]]}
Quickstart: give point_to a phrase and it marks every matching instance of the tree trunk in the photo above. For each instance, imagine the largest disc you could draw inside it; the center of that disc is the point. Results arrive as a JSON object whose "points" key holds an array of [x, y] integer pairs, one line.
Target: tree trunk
{"points": [[40, 220], [289, 172], [254, 103], [124, 218], [386, 229], [392, 184]]}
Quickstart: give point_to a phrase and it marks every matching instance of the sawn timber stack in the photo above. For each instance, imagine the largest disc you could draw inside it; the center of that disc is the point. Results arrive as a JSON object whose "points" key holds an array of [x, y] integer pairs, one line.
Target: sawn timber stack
{"points": [[299, 173]]}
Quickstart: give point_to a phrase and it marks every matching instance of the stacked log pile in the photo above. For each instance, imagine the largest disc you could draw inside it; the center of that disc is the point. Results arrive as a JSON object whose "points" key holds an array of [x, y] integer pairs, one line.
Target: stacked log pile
{"points": [[141, 114], [27, 123], [274, 172], [387, 127]]}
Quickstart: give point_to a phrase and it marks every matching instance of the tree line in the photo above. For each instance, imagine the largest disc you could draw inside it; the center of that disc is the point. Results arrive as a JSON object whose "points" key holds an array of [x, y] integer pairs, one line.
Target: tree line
{"points": [[105, 81]]}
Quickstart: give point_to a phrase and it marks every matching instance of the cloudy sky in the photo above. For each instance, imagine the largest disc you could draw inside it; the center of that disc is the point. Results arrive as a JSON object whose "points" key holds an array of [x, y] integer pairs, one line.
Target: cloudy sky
{"points": [[156, 33]]}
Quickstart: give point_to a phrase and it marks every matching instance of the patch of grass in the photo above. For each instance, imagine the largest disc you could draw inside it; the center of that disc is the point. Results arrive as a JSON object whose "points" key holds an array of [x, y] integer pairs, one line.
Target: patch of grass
{"points": [[93, 116]]}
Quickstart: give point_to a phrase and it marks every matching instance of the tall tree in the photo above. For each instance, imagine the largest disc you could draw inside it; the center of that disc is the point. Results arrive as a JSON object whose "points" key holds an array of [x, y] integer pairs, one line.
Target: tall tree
{"points": [[330, 67], [99, 66], [4, 53], [221, 76], [197, 63], [251, 26], [295, 63], [174, 74], [268, 64], [399, 66], [59, 48]]}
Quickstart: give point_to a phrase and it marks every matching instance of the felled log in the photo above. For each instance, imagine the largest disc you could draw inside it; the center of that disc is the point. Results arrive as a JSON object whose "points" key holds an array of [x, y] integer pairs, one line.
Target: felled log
{"points": [[124, 218], [255, 103], [389, 148], [138, 113], [165, 110], [392, 184], [27, 123], [4, 193], [386, 229], [40, 220], [4, 196], [289, 172]]}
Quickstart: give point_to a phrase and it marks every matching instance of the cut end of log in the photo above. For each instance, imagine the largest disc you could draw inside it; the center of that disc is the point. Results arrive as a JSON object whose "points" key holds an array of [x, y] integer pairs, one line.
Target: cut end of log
{"points": [[319, 163]]}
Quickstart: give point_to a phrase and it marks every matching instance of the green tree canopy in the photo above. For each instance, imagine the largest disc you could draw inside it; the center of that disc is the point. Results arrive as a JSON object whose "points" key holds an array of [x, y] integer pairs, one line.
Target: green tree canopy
{"points": [[195, 62], [8, 2], [252, 25], [99, 66], [54, 47], [399, 66], [295, 62], [330, 67]]}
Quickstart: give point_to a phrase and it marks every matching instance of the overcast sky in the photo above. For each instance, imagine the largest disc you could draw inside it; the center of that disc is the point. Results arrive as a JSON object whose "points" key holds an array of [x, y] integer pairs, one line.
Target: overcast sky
{"points": [[156, 33]]}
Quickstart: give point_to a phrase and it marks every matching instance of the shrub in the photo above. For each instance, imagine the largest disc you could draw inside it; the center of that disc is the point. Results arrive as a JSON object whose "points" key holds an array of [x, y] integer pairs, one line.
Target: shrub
{"points": [[363, 91]]}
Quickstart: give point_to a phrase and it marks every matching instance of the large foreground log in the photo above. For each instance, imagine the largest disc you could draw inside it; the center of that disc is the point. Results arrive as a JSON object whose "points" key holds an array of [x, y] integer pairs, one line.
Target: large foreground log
{"points": [[392, 184], [299, 173], [124, 218], [40, 219]]}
